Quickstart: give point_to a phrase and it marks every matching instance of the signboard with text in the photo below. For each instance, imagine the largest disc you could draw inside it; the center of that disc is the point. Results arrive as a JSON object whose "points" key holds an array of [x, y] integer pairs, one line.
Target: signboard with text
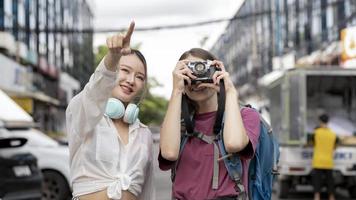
{"points": [[348, 54]]}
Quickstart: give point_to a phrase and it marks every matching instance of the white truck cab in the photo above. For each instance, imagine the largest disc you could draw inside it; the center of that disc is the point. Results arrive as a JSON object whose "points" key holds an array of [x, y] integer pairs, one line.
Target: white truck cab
{"points": [[296, 98]]}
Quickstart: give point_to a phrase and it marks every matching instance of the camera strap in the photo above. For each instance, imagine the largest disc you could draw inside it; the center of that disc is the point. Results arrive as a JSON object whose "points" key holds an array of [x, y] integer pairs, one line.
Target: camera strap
{"points": [[189, 124], [221, 108]]}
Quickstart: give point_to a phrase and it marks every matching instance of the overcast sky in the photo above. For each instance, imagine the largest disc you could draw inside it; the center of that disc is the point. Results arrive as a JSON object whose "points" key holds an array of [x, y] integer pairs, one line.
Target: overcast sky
{"points": [[162, 48]]}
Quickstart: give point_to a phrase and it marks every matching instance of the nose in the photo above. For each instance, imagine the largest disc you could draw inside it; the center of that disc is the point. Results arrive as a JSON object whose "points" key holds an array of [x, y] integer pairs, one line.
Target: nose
{"points": [[130, 79]]}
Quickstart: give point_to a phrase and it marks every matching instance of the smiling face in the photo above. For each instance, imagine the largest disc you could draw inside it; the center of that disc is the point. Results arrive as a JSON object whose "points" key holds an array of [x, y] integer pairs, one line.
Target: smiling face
{"points": [[132, 78], [195, 92]]}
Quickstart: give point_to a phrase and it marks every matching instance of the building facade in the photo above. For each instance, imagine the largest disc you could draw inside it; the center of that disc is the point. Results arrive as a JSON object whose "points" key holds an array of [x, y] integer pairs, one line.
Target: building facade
{"points": [[47, 48], [264, 32]]}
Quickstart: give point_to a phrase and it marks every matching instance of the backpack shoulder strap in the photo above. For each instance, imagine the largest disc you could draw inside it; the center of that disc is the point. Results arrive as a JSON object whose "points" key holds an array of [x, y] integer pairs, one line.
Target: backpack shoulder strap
{"points": [[232, 162], [233, 166]]}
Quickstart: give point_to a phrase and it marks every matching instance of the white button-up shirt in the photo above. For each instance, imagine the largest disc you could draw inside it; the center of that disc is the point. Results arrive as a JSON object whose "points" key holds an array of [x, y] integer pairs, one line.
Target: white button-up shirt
{"points": [[98, 158]]}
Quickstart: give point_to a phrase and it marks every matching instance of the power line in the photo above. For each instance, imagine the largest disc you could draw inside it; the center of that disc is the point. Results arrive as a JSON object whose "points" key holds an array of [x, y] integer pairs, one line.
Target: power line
{"points": [[110, 30], [155, 28], [137, 29]]}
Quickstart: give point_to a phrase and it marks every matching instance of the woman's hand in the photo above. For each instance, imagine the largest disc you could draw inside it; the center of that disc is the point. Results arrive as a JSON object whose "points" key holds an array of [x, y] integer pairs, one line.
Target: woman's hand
{"points": [[182, 73], [223, 74], [118, 45]]}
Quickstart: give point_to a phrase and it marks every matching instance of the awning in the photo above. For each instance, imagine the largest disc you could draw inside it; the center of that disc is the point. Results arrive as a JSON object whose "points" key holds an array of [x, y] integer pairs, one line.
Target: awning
{"points": [[331, 52], [40, 96], [11, 113], [25, 103], [309, 60], [324, 56], [268, 79]]}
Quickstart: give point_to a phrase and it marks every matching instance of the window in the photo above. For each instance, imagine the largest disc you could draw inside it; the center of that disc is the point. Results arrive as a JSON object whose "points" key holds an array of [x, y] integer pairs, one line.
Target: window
{"points": [[329, 16], [21, 20], [316, 20], [8, 13], [15, 18], [2, 15], [347, 8]]}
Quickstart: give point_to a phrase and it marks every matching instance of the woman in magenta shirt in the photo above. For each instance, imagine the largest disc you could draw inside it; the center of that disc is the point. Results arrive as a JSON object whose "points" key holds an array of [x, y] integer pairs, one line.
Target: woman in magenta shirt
{"points": [[194, 173]]}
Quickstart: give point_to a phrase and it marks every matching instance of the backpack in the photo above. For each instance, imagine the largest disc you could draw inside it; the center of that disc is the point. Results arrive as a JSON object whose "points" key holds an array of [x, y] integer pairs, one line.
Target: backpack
{"points": [[262, 169]]}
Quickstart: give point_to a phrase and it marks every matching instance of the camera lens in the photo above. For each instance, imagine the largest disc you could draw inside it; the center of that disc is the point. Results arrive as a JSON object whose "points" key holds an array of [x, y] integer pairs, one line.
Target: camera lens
{"points": [[199, 68]]}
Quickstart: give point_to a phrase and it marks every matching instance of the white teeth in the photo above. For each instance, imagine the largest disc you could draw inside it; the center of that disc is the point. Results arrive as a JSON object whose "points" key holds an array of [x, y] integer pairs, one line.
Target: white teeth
{"points": [[197, 89], [126, 88]]}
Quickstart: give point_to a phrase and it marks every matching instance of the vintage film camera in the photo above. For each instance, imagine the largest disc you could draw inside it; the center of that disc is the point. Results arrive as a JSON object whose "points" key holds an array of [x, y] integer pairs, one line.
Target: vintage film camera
{"points": [[203, 70]]}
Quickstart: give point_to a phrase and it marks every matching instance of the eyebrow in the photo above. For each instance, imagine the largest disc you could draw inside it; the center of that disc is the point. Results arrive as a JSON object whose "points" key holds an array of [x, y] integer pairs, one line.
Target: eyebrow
{"points": [[131, 69]]}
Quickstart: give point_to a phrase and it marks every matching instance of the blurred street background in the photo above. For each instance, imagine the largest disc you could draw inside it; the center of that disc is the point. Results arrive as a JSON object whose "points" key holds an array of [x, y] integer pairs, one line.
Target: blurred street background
{"points": [[292, 60]]}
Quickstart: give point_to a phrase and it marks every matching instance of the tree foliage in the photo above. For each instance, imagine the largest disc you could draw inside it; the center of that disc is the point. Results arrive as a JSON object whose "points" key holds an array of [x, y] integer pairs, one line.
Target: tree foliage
{"points": [[102, 50], [153, 107]]}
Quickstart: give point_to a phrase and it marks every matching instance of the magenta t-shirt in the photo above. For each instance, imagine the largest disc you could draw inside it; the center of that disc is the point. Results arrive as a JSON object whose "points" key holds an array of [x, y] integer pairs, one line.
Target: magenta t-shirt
{"points": [[194, 173]]}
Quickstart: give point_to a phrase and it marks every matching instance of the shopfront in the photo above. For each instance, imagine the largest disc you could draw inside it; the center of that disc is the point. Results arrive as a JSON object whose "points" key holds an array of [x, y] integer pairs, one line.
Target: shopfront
{"points": [[17, 82]]}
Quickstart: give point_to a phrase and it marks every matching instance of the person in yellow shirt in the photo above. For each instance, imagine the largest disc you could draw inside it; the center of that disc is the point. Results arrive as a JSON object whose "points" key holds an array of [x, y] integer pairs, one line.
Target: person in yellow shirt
{"points": [[323, 158]]}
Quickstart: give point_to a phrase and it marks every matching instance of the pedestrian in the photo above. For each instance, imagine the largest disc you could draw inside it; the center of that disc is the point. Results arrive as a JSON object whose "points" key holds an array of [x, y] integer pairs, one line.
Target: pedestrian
{"points": [[324, 144], [196, 174], [110, 150]]}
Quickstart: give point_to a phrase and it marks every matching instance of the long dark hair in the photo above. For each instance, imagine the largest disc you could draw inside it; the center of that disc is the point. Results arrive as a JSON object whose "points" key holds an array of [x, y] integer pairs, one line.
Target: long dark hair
{"points": [[199, 53], [142, 58]]}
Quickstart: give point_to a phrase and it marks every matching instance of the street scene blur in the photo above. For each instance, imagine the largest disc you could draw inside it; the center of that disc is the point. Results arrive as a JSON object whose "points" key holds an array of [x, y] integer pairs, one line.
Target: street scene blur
{"points": [[292, 60]]}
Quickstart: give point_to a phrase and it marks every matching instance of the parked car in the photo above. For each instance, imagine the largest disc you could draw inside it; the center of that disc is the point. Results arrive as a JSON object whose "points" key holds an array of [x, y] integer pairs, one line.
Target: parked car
{"points": [[20, 177], [53, 158]]}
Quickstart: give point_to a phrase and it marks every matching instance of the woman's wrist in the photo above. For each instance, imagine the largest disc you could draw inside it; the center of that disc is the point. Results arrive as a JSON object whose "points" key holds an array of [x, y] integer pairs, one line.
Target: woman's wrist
{"points": [[232, 92], [232, 95], [177, 92], [111, 61]]}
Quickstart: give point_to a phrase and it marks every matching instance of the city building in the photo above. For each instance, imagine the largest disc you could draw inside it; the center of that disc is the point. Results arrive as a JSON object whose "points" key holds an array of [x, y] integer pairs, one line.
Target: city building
{"points": [[46, 55], [267, 35]]}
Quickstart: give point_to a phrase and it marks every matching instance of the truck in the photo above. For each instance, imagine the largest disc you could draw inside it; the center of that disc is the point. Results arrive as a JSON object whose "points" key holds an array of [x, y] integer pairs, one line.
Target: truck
{"points": [[296, 98]]}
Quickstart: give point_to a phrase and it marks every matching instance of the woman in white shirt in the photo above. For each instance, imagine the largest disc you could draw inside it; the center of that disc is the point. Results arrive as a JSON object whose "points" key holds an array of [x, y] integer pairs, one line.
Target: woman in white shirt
{"points": [[110, 150]]}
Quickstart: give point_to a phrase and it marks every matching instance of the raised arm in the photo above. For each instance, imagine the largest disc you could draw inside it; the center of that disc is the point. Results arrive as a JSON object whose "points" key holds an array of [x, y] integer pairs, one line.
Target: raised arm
{"points": [[87, 108], [234, 136], [170, 130]]}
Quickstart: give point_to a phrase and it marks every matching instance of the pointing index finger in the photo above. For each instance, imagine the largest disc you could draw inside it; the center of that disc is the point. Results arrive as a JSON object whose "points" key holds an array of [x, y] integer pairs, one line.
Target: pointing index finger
{"points": [[130, 31]]}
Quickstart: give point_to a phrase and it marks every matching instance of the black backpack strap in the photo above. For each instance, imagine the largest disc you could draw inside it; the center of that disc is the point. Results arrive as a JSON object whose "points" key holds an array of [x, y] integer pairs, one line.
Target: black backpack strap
{"points": [[189, 124], [221, 109]]}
